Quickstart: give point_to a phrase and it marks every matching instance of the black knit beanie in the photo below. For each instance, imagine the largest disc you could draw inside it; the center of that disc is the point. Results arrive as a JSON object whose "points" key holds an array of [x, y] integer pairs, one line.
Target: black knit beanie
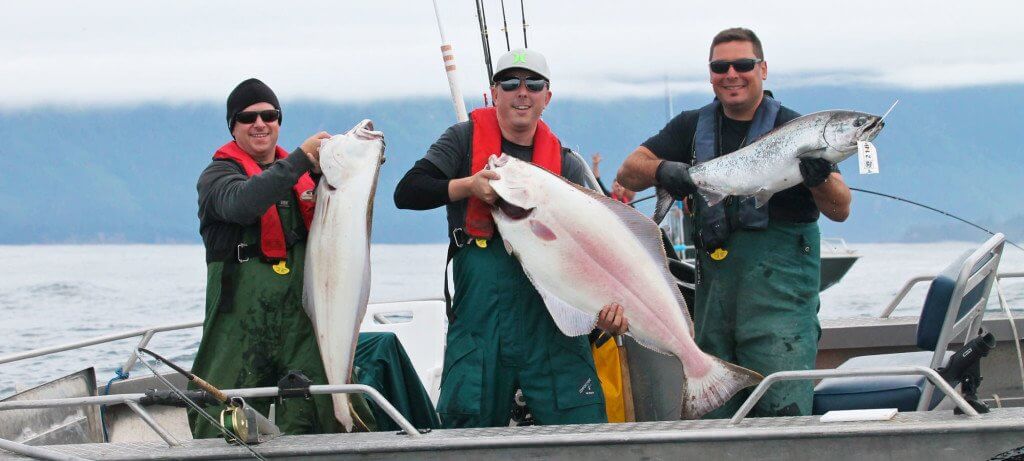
{"points": [[247, 93]]}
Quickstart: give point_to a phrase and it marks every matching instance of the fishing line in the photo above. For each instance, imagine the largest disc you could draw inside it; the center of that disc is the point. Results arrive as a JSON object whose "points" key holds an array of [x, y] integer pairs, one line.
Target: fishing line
{"points": [[195, 406], [642, 199], [901, 199], [886, 114]]}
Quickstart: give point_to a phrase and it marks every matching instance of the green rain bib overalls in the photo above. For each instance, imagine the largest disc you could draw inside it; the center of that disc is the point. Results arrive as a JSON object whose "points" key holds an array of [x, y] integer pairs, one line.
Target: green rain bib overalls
{"points": [[262, 335], [502, 338]]}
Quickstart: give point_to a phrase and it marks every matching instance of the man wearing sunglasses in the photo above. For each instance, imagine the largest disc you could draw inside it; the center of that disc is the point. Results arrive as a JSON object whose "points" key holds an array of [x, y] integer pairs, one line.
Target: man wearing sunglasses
{"points": [[255, 206], [500, 335], [758, 269]]}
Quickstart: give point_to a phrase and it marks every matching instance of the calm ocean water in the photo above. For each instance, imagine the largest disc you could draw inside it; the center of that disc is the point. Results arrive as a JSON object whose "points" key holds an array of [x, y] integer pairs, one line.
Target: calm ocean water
{"points": [[51, 295]]}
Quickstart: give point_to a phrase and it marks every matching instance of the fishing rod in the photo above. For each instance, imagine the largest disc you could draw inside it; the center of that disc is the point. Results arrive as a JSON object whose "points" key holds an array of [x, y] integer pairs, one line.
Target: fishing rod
{"points": [[448, 57], [901, 199], [485, 39], [504, 27], [192, 404], [522, 10]]}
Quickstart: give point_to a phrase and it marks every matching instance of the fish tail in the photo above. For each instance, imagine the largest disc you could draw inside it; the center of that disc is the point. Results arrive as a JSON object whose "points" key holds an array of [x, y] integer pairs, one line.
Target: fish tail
{"points": [[342, 411], [722, 381]]}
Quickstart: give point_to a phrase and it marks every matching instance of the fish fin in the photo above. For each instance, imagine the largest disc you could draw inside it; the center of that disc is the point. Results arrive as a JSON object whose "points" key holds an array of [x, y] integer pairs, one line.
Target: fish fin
{"points": [[648, 344], [508, 246], [812, 153], [570, 320], [722, 381], [761, 197], [664, 204], [712, 197], [649, 235]]}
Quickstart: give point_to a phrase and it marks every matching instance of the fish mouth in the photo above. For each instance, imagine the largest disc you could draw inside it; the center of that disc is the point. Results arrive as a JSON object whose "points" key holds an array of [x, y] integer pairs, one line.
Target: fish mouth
{"points": [[513, 212], [871, 131]]}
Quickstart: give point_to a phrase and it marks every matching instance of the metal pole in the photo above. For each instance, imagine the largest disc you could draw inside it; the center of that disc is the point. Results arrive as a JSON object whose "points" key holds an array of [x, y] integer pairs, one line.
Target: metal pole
{"points": [[36, 452], [448, 57], [98, 340], [773, 378], [171, 441]]}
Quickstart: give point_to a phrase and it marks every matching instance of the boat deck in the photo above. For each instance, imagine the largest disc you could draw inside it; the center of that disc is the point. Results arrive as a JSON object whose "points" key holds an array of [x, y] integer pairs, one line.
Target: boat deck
{"points": [[915, 435]]}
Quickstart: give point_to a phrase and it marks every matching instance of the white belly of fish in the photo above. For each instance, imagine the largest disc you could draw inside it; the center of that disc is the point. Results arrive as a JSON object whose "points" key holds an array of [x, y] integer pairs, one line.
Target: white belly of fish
{"points": [[337, 274]]}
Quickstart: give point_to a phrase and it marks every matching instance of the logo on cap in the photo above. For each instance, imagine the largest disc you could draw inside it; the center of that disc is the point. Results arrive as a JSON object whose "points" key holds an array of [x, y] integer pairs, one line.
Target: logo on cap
{"points": [[519, 58]]}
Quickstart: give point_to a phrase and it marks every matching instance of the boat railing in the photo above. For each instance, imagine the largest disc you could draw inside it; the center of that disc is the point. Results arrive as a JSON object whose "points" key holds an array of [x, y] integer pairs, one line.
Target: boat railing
{"points": [[146, 333], [132, 402], [803, 375], [909, 284]]}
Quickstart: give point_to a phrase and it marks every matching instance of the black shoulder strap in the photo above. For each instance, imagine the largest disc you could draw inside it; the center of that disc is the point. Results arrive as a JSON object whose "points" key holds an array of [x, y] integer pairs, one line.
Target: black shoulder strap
{"points": [[447, 293]]}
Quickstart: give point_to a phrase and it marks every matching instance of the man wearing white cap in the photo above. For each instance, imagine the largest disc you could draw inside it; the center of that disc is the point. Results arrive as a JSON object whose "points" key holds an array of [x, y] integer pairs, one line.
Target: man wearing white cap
{"points": [[500, 335]]}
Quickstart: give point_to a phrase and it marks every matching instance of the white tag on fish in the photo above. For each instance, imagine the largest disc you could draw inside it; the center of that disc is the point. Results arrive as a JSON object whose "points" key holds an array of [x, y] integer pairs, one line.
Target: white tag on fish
{"points": [[868, 157]]}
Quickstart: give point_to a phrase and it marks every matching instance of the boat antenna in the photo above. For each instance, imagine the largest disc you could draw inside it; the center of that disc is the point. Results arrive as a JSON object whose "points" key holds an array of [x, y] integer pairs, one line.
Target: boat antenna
{"points": [[522, 10], [901, 199], [448, 58], [481, 17], [191, 403], [504, 27]]}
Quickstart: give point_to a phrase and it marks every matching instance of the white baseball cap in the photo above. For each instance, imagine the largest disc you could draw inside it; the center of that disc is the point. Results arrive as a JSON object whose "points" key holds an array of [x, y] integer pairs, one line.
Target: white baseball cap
{"points": [[524, 58]]}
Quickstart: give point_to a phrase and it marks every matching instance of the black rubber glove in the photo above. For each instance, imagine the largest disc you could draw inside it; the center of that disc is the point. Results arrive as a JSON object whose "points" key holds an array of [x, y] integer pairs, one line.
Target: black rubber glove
{"points": [[815, 171], [674, 177]]}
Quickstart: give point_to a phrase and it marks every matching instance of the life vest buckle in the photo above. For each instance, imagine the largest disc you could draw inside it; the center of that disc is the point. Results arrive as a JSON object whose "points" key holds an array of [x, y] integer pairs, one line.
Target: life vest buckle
{"points": [[460, 237], [241, 254]]}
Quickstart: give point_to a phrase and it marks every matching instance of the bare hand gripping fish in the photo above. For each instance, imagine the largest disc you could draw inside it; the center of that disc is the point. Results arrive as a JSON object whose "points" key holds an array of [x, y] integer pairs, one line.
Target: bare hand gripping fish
{"points": [[582, 251]]}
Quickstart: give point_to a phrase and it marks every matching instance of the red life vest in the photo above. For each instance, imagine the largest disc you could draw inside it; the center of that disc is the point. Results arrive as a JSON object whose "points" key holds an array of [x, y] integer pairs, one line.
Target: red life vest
{"points": [[547, 154], [272, 242]]}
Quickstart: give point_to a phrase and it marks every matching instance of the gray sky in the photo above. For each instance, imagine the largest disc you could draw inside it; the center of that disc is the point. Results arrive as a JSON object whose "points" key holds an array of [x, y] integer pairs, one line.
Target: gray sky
{"points": [[125, 52]]}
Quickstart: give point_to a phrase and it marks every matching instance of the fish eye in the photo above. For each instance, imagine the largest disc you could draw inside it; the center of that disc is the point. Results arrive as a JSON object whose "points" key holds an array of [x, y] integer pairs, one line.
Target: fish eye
{"points": [[859, 122]]}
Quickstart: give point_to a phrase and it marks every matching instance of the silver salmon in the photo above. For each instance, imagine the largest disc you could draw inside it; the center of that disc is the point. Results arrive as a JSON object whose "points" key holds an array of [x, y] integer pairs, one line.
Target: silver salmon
{"points": [[772, 163], [583, 251], [337, 270]]}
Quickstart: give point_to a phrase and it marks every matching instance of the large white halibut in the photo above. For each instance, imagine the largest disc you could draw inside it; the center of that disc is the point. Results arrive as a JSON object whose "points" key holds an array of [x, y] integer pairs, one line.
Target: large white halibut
{"points": [[337, 271], [583, 251]]}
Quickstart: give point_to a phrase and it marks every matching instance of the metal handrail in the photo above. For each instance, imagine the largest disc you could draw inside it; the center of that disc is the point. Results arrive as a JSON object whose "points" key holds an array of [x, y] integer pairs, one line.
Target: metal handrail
{"points": [[927, 278], [99, 340], [928, 373], [36, 452], [255, 392]]}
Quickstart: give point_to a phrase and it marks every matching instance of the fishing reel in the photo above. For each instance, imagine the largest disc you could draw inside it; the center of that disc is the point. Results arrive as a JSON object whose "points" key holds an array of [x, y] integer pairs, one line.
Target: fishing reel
{"points": [[247, 424]]}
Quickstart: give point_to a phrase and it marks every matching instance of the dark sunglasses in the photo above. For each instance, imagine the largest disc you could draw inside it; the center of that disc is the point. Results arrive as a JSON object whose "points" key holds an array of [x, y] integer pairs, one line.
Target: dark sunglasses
{"points": [[532, 84], [741, 65], [249, 116]]}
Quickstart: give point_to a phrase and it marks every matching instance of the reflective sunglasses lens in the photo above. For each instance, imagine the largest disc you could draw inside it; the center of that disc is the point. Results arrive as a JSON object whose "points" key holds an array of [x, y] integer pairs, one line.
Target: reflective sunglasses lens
{"points": [[719, 67], [535, 85], [509, 84], [270, 115], [246, 117], [744, 65]]}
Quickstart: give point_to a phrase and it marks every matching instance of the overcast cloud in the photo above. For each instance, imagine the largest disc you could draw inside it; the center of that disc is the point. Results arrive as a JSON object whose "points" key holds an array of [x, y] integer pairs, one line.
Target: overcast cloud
{"points": [[126, 52]]}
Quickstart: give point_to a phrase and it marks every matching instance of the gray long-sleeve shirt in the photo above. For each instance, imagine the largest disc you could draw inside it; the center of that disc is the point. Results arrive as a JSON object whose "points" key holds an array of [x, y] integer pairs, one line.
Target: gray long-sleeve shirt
{"points": [[229, 200]]}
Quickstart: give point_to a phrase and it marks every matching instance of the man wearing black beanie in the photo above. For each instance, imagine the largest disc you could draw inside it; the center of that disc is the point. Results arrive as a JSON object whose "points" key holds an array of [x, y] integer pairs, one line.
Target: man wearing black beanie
{"points": [[255, 207]]}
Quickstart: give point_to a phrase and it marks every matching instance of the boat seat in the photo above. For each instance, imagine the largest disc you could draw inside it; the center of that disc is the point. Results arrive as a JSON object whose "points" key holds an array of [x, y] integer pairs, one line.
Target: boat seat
{"points": [[900, 392], [954, 306]]}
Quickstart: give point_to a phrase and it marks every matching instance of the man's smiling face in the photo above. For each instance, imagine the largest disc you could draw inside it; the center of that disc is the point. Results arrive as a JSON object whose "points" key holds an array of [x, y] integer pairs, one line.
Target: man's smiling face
{"points": [[738, 91]]}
